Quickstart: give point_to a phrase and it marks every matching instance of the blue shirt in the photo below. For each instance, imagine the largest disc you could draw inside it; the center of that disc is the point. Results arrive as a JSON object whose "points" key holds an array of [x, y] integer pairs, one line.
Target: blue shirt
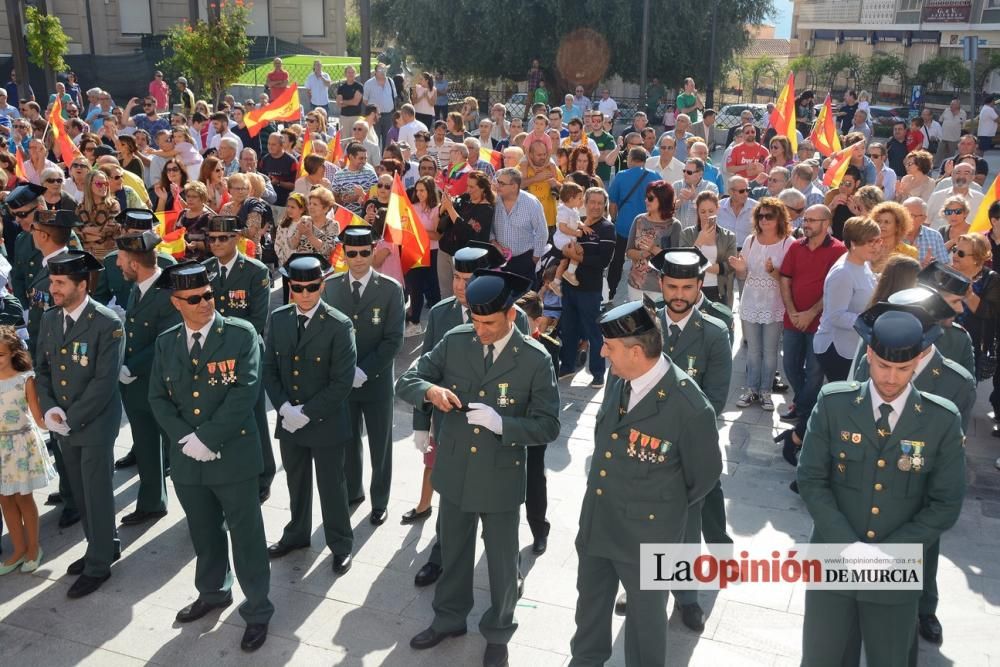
{"points": [[846, 292], [621, 185], [713, 175], [930, 241], [150, 125]]}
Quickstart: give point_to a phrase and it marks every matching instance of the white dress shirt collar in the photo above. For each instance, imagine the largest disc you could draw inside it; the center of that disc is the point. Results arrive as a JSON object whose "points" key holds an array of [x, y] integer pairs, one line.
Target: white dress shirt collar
{"points": [[643, 384], [684, 321], [203, 331], [500, 344], [924, 362], [309, 313], [148, 282], [897, 404], [364, 280], [45, 260], [78, 311]]}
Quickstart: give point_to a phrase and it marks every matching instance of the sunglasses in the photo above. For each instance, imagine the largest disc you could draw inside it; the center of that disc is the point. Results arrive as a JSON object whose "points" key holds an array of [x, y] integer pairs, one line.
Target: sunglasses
{"points": [[875, 156], [81, 166], [383, 186], [739, 191], [101, 184], [116, 178], [667, 148], [690, 172], [960, 253], [767, 215], [23, 214], [221, 238], [195, 299], [954, 211], [172, 169], [311, 287], [354, 253], [53, 180], [650, 198]]}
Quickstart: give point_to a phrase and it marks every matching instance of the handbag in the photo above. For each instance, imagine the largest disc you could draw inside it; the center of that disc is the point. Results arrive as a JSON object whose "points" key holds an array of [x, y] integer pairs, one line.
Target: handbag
{"points": [[986, 363]]}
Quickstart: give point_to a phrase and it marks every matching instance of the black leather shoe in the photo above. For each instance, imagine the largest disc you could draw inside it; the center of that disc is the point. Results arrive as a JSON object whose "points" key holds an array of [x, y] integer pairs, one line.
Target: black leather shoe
{"points": [[621, 604], [778, 387], [140, 516], [76, 567], [355, 501], [342, 563], [794, 486], [378, 517], [86, 585], [692, 616], [929, 628], [413, 516], [495, 655], [540, 545], [280, 549], [263, 496], [200, 608], [427, 575], [430, 638], [53, 499], [789, 450], [126, 461], [254, 637], [68, 518], [995, 433]]}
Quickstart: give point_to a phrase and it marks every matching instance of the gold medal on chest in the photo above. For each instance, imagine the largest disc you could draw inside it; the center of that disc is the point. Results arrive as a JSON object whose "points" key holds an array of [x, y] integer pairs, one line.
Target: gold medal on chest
{"points": [[376, 318]]}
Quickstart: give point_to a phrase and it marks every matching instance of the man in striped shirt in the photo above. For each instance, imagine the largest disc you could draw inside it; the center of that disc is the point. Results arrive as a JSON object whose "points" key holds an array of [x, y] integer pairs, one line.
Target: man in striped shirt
{"points": [[351, 185], [519, 224]]}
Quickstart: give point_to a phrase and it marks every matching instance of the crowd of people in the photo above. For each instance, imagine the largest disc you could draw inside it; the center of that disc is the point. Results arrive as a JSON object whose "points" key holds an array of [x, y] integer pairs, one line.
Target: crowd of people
{"points": [[534, 225]]}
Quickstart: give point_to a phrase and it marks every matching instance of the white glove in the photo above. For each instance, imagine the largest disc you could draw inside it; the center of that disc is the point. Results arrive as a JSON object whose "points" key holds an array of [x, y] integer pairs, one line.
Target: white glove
{"points": [[483, 415], [125, 376], [196, 449], [292, 417], [119, 311], [360, 377], [422, 441], [60, 427], [865, 553]]}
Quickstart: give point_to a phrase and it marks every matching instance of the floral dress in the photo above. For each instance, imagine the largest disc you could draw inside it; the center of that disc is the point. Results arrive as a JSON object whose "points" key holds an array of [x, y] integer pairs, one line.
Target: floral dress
{"points": [[25, 465]]}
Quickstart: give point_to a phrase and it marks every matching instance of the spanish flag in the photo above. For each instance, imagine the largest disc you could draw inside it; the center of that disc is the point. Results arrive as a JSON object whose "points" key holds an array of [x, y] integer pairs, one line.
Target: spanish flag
{"points": [[172, 237], [307, 149], [824, 134], [495, 158], [838, 167], [285, 107], [783, 116], [337, 154], [67, 149], [403, 228], [344, 218], [981, 223], [19, 170]]}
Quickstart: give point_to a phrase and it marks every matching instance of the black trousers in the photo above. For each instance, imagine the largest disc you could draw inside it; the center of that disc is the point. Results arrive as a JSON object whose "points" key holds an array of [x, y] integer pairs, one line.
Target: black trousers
{"points": [[835, 367], [615, 269], [536, 500]]}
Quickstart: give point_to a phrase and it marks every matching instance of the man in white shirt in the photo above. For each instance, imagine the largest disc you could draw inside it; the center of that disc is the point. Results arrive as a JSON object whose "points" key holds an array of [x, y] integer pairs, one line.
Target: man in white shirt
{"points": [[666, 164], [381, 91], [931, 130], [220, 123], [952, 120], [318, 84], [410, 125], [987, 125], [578, 138], [961, 180], [607, 105]]}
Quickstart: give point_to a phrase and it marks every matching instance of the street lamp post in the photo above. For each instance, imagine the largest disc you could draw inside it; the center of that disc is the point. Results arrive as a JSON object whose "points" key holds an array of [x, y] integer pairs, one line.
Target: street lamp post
{"points": [[710, 85], [644, 55]]}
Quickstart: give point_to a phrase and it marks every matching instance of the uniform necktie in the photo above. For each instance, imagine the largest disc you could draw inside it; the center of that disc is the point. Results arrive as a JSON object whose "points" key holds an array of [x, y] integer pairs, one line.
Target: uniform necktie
{"points": [[303, 321], [626, 399], [467, 316], [223, 272], [675, 333], [356, 291], [882, 425], [488, 361], [69, 324], [195, 347]]}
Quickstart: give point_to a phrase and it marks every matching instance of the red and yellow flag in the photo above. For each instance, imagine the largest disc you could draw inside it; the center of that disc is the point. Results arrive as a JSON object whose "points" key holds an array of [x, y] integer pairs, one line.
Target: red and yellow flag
{"points": [[19, 170], [172, 237], [337, 154], [783, 116], [403, 228], [981, 223], [284, 107], [307, 149], [57, 126], [344, 218], [495, 158], [838, 167], [824, 134]]}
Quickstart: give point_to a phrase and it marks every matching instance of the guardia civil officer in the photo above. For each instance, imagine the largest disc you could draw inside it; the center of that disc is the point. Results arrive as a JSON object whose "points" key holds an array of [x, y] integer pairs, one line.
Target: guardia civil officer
{"points": [[656, 457], [494, 394], [955, 343], [24, 202], [374, 304], [881, 462], [242, 288], [148, 313], [79, 350], [309, 363], [444, 316], [938, 375], [203, 388]]}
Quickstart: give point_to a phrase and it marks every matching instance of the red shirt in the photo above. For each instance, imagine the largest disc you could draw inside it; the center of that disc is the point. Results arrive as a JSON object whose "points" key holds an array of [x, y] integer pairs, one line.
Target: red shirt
{"points": [[807, 270], [914, 140], [276, 82], [745, 153]]}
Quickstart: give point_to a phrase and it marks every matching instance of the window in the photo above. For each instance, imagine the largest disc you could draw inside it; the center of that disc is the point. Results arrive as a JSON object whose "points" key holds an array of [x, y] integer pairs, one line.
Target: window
{"points": [[258, 17], [313, 18], [910, 5], [135, 17]]}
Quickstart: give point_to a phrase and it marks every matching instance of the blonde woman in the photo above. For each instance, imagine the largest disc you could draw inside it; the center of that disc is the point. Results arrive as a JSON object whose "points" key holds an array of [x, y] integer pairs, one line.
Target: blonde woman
{"points": [[316, 232], [956, 216], [238, 186], [212, 175], [894, 221], [97, 212]]}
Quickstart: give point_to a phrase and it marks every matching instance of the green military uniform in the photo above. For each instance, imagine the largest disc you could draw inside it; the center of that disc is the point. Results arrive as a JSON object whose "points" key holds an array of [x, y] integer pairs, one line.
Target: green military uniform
{"points": [[11, 313], [111, 284], [862, 482], [653, 459], [955, 343], [212, 396], [378, 333], [312, 366], [78, 374], [478, 472], [244, 291], [147, 315]]}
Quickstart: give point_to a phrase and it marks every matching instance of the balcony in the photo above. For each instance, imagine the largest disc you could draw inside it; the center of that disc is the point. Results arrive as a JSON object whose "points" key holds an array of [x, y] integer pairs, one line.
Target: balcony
{"points": [[840, 12]]}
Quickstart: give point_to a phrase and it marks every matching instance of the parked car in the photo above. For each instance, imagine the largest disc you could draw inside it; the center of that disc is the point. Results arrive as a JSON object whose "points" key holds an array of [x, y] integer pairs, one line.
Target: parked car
{"points": [[882, 118], [729, 117]]}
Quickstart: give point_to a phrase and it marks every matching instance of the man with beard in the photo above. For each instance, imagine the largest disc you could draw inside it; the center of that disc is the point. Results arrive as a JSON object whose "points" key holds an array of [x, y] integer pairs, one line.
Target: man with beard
{"points": [[961, 180]]}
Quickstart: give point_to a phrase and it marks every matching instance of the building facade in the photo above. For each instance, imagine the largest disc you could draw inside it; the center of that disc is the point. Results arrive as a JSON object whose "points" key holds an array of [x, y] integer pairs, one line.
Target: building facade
{"points": [[114, 27]]}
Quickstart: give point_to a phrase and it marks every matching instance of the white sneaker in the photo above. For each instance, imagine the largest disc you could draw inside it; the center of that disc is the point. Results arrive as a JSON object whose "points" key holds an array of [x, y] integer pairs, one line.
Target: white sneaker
{"points": [[765, 401], [746, 399], [413, 329], [571, 279]]}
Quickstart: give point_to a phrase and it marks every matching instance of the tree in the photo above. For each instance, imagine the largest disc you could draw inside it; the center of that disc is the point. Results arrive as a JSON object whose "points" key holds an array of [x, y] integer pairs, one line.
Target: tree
{"points": [[847, 64], [522, 29], [47, 43], [985, 67], [807, 65], [212, 55], [352, 33], [940, 71], [760, 69], [881, 66]]}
